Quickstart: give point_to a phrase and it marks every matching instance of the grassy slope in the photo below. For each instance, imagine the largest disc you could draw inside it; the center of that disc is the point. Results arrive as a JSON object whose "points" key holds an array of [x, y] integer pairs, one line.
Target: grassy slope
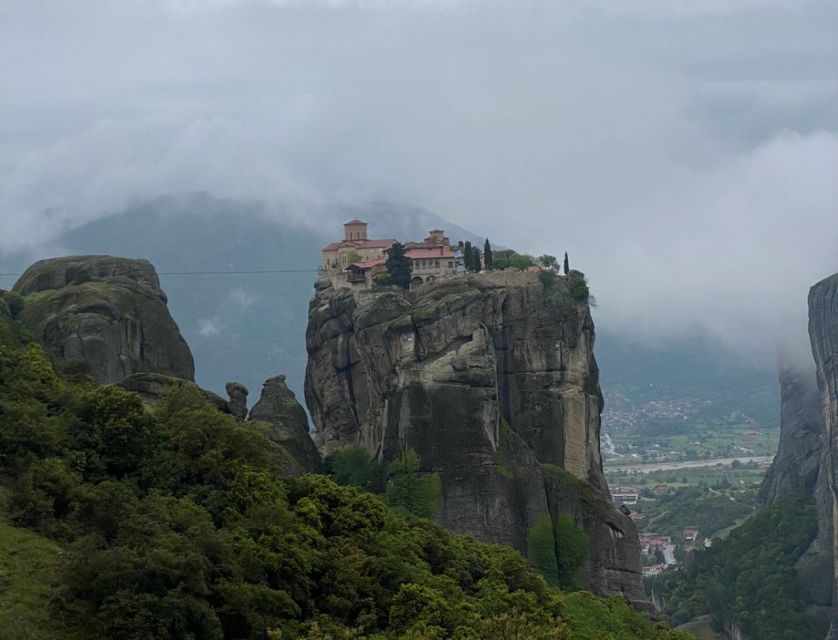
{"points": [[29, 566]]}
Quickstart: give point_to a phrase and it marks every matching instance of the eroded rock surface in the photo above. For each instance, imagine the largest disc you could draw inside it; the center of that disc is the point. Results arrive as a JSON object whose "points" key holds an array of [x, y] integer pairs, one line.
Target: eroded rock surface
{"points": [[108, 312], [491, 379], [278, 407], [820, 563], [237, 403], [795, 467]]}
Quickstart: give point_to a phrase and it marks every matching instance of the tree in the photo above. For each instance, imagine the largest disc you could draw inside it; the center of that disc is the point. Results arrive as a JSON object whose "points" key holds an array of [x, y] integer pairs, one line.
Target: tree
{"points": [[398, 266], [475, 259], [566, 264], [548, 262], [468, 257], [487, 254]]}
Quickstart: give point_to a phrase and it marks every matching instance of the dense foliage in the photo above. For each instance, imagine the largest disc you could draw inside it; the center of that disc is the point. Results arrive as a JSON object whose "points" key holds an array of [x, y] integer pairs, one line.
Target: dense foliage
{"points": [[709, 510], [749, 579], [398, 265], [176, 524]]}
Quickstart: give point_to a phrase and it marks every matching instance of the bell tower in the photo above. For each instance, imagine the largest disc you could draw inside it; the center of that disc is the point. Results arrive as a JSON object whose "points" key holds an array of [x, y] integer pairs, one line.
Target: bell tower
{"points": [[355, 230]]}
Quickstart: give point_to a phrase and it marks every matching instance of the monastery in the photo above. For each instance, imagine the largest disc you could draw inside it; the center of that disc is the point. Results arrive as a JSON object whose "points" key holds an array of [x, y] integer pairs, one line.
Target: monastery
{"points": [[357, 260]]}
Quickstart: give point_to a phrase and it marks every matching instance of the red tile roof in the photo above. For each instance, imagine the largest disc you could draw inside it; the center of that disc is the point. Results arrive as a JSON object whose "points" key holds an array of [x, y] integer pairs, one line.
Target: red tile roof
{"points": [[355, 221], [369, 264], [359, 244], [440, 251]]}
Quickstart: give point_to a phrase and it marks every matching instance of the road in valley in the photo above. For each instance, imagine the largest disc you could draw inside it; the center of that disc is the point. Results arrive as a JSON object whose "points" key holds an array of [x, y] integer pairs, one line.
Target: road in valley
{"points": [[762, 461]]}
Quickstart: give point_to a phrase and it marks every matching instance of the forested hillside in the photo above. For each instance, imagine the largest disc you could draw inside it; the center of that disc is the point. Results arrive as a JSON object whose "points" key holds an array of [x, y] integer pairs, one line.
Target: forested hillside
{"points": [[748, 581], [177, 523]]}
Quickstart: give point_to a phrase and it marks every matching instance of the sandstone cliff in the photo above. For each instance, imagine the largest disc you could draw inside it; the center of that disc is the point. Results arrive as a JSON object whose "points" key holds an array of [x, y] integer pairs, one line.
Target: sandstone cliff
{"points": [[491, 379], [823, 333], [795, 467], [288, 422], [807, 458], [107, 312]]}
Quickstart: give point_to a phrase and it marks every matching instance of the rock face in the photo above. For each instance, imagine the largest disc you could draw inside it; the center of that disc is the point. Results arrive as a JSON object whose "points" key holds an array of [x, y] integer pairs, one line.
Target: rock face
{"points": [[795, 467], [823, 333], [289, 424], [807, 458], [491, 379], [108, 312], [237, 404]]}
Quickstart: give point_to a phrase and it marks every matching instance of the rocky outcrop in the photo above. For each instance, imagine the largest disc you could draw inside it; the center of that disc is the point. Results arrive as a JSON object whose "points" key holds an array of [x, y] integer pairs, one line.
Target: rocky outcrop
{"points": [[108, 312], [795, 467], [288, 422], [823, 333], [151, 387], [237, 404], [491, 379]]}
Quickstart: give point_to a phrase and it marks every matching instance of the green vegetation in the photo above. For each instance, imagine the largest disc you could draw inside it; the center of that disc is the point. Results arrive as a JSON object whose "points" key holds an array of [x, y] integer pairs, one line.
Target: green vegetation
{"points": [[541, 549], [571, 550], [749, 579], [29, 573], [508, 258], [578, 286], [398, 266], [410, 490], [488, 258], [709, 510], [175, 522]]}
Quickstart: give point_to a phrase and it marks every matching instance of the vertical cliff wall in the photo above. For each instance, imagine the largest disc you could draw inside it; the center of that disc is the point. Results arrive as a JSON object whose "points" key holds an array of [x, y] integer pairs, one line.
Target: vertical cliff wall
{"points": [[491, 379], [823, 333], [795, 467]]}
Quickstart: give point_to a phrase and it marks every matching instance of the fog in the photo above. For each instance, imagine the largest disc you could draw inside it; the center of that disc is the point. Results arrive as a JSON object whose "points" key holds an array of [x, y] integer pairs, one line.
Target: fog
{"points": [[684, 153]]}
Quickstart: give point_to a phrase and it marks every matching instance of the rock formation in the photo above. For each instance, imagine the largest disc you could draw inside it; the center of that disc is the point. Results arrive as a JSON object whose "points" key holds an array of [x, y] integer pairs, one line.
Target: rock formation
{"points": [[491, 379], [237, 404], [289, 424], [151, 387], [795, 467], [108, 312], [807, 458], [823, 333]]}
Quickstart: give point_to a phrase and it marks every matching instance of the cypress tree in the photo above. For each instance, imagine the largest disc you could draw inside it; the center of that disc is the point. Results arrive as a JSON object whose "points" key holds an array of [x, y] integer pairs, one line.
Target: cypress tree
{"points": [[398, 266], [487, 254], [566, 264], [475, 259], [467, 256]]}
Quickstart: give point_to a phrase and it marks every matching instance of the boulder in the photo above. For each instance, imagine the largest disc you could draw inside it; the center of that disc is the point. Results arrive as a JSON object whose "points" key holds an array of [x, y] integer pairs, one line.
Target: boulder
{"points": [[108, 312]]}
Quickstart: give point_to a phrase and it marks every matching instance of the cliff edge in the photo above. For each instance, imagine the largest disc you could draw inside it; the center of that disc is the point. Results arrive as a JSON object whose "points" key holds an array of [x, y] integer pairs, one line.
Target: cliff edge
{"points": [[492, 380]]}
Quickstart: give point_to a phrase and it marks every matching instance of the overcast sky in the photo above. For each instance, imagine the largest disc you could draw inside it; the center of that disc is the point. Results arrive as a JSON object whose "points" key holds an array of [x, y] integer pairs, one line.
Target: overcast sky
{"points": [[684, 152]]}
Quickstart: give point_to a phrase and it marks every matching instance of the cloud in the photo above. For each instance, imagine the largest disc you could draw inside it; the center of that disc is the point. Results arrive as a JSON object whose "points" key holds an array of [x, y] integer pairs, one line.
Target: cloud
{"points": [[683, 153], [209, 327], [242, 298]]}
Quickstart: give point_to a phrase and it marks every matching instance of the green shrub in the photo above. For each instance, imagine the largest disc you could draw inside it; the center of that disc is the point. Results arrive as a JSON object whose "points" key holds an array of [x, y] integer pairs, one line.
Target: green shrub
{"points": [[578, 286], [541, 549], [353, 467], [411, 491], [572, 551]]}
